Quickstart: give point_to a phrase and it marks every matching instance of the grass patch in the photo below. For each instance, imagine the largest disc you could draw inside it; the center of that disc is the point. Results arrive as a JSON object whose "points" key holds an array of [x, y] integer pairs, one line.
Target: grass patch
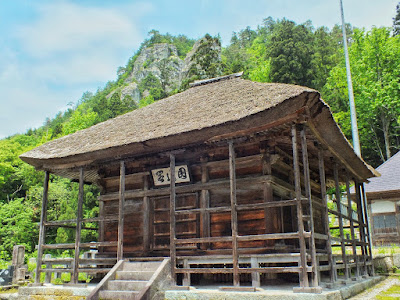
{"points": [[391, 293]]}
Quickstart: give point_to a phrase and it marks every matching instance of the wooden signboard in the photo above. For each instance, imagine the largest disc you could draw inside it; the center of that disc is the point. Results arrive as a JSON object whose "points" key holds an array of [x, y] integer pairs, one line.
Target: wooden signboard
{"points": [[162, 177]]}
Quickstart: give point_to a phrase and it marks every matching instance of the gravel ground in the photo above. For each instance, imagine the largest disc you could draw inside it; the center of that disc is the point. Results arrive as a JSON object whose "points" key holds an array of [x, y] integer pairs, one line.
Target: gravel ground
{"points": [[370, 294]]}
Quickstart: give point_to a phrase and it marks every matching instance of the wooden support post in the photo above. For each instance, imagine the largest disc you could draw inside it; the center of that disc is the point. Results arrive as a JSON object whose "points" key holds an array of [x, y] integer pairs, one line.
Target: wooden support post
{"points": [[186, 276], [205, 230], [172, 223], [332, 273], [303, 276], [255, 276], [121, 207], [361, 226], [350, 215], [42, 227], [271, 214], [101, 223], [75, 272], [307, 185], [234, 221], [146, 217], [339, 208], [368, 239]]}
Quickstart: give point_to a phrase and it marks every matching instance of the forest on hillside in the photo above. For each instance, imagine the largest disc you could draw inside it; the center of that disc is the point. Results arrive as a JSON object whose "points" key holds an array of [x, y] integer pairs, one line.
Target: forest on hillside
{"points": [[276, 51]]}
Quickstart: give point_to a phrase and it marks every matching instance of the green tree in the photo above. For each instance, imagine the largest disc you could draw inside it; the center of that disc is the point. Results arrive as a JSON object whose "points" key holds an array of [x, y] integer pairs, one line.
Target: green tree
{"points": [[375, 63], [18, 226], [290, 49], [396, 21]]}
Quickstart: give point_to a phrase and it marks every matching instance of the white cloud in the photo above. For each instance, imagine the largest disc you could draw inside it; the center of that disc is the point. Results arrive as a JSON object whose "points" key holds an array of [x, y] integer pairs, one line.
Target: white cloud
{"points": [[66, 50], [67, 27]]}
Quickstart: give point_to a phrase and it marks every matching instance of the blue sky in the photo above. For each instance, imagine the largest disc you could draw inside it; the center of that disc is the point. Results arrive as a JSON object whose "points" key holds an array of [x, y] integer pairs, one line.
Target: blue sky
{"points": [[51, 52]]}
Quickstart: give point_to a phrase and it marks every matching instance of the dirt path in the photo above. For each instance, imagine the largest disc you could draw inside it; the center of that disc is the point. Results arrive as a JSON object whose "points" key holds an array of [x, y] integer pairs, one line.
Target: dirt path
{"points": [[371, 293]]}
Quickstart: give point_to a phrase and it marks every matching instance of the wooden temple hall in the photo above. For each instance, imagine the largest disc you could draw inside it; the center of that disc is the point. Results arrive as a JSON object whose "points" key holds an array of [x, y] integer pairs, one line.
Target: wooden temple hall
{"points": [[228, 179]]}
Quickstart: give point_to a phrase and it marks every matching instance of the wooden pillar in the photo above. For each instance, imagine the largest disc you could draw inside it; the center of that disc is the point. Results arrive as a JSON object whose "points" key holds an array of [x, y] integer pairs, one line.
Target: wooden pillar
{"points": [[307, 184], [303, 276], [75, 273], [368, 239], [271, 214], [361, 226], [121, 207], [234, 221], [332, 272], [42, 227], [350, 214], [205, 230], [146, 217], [172, 223], [101, 220], [339, 208]]}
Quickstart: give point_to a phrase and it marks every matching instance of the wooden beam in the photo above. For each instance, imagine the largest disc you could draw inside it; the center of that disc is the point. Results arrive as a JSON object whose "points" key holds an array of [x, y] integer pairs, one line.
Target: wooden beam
{"points": [[172, 223], [121, 206], [81, 246], [75, 272], [234, 222], [303, 276], [42, 227], [246, 182], [306, 170], [324, 198]]}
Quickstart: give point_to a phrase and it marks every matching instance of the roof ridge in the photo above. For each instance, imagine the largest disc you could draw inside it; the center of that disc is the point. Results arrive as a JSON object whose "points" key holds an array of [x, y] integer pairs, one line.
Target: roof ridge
{"points": [[215, 79], [388, 160]]}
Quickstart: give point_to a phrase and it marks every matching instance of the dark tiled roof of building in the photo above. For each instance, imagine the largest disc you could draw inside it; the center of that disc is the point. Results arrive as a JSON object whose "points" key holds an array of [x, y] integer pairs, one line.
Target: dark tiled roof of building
{"points": [[390, 176]]}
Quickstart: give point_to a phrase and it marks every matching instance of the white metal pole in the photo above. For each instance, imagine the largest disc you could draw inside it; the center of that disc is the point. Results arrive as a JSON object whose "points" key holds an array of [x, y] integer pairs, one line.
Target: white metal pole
{"points": [[353, 115]]}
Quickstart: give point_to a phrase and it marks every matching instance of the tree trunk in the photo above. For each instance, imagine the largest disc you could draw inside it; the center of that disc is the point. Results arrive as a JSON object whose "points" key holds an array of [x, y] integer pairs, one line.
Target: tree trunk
{"points": [[385, 129]]}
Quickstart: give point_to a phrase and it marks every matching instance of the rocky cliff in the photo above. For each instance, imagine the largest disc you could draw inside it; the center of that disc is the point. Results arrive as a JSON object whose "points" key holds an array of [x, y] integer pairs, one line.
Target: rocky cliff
{"points": [[159, 71]]}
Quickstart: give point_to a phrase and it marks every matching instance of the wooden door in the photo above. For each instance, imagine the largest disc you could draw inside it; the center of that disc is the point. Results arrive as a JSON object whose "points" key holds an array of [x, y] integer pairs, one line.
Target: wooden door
{"points": [[187, 225]]}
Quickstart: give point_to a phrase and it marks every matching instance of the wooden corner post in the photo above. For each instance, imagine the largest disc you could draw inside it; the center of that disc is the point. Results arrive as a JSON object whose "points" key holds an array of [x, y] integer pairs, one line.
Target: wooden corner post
{"points": [[338, 195], [322, 176], [75, 270], [234, 221], [42, 227], [303, 276], [307, 185]]}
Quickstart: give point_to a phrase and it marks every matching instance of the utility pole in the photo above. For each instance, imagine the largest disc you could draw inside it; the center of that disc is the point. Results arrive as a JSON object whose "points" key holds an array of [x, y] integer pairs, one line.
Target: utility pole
{"points": [[353, 115]]}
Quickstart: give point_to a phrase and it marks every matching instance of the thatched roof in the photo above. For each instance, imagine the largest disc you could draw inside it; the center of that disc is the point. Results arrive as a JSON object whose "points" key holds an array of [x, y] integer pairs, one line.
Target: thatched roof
{"points": [[192, 117]]}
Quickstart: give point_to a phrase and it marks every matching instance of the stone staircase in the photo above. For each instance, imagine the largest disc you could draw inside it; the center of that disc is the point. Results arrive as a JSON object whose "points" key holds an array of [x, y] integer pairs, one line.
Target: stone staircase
{"points": [[134, 280]]}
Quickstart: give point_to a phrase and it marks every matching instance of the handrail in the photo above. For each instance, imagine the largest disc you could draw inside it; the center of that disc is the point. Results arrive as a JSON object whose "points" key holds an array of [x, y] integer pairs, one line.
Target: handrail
{"points": [[94, 294]]}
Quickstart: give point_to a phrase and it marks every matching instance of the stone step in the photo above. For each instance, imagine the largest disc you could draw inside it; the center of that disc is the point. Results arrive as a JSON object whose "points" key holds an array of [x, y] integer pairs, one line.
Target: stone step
{"points": [[126, 285], [141, 266], [134, 275], [117, 295]]}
